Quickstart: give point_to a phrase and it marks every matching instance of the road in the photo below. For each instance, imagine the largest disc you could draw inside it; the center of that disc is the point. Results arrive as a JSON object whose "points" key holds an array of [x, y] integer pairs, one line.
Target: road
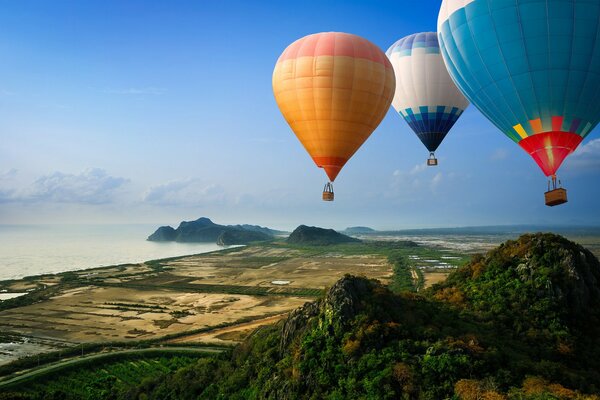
{"points": [[97, 356]]}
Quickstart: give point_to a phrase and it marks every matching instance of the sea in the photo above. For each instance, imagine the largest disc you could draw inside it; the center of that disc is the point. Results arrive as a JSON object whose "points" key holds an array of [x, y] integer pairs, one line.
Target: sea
{"points": [[27, 250]]}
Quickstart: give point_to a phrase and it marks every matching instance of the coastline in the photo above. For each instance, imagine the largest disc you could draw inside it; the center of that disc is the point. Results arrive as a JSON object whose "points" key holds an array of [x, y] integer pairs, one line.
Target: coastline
{"points": [[106, 267]]}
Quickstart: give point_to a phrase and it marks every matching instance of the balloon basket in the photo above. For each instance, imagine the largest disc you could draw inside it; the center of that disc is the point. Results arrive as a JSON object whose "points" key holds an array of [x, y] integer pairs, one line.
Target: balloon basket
{"points": [[328, 192], [432, 161], [556, 197]]}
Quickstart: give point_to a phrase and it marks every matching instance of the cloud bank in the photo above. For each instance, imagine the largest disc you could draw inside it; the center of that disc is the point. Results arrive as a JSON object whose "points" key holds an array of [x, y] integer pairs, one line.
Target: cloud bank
{"points": [[92, 186]]}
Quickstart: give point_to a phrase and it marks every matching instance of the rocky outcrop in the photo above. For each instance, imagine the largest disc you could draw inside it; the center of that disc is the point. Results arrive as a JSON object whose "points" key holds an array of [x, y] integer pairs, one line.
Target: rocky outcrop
{"points": [[341, 304], [296, 323]]}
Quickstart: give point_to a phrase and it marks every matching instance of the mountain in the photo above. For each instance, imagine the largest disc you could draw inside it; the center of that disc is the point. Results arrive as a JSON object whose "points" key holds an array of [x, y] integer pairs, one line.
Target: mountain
{"points": [[258, 228], [163, 234], [520, 322], [539, 287], [318, 236], [354, 230], [241, 236], [204, 230]]}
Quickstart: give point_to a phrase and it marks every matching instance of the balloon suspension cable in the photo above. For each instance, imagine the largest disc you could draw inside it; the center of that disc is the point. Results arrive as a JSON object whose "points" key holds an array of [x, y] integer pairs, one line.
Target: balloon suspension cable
{"points": [[553, 180], [328, 192]]}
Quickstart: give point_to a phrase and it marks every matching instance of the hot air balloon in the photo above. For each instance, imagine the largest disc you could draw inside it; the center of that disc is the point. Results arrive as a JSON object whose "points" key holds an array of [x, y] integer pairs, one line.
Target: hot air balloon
{"points": [[425, 96], [333, 89], [532, 67]]}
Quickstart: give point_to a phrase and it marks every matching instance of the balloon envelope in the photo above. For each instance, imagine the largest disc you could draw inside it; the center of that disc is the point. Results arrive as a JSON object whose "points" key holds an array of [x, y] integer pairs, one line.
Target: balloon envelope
{"points": [[333, 90], [425, 95], [532, 67]]}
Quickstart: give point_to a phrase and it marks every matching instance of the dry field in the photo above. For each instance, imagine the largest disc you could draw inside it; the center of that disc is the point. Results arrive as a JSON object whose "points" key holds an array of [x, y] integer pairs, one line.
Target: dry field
{"points": [[431, 278], [154, 299]]}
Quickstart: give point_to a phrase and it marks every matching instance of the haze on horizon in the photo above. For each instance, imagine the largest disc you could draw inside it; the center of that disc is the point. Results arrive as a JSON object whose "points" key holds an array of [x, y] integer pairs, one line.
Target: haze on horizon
{"points": [[156, 112]]}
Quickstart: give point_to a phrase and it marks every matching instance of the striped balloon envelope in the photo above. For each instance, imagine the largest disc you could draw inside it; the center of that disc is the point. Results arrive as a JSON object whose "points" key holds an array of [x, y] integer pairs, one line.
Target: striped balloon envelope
{"points": [[532, 67], [333, 89], [425, 95]]}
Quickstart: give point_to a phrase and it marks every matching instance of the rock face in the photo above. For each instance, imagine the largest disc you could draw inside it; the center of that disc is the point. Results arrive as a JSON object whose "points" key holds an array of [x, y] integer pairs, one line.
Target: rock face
{"points": [[296, 323], [204, 230], [312, 235], [342, 303]]}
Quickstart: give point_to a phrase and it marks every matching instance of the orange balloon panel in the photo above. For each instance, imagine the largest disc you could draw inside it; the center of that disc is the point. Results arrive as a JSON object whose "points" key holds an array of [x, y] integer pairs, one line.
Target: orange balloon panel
{"points": [[333, 90]]}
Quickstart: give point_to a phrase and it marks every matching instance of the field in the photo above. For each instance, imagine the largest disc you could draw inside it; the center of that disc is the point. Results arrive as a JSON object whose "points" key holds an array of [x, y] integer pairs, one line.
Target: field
{"points": [[216, 298], [98, 377]]}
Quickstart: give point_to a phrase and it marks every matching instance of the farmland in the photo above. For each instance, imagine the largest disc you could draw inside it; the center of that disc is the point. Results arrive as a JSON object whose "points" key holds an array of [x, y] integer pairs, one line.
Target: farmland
{"points": [[217, 297]]}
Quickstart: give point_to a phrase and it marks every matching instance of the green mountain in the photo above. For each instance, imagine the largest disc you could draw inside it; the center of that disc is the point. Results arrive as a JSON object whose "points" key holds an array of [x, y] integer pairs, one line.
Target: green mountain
{"points": [[204, 230], [520, 322], [311, 235]]}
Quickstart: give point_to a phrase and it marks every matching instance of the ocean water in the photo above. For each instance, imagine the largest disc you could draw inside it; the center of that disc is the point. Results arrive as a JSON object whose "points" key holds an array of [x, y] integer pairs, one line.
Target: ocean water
{"points": [[38, 249]]}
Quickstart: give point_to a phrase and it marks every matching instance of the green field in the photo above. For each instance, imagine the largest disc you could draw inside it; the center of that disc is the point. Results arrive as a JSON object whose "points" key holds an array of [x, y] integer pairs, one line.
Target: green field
{"points": [[101, 375]]}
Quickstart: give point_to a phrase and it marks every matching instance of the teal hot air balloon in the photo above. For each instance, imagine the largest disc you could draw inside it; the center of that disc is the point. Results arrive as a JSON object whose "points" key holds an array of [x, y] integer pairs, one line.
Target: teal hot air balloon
{"points": [[425, 95], [532, 67]]}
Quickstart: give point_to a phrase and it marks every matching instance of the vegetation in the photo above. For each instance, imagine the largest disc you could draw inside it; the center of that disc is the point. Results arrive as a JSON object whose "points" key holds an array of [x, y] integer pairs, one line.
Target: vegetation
{"points": [[110, 377], [402, 280], [521, 322], [314, 236], [241, 236]]}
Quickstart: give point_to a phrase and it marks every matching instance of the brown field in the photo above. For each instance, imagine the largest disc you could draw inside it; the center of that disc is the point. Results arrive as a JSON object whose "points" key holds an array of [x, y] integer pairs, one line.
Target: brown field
{"points": [[151, 300], [431, 278]]}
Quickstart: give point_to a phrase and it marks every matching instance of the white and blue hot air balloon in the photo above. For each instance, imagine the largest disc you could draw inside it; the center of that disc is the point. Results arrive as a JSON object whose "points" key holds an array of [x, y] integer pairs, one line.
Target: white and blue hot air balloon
{"points": [[426, 97]]}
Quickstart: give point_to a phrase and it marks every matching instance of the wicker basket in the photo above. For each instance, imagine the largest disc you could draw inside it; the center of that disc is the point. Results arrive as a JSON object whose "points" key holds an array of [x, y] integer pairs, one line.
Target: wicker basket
{"points": [[432, 162], [555, 197], [327, 196]]}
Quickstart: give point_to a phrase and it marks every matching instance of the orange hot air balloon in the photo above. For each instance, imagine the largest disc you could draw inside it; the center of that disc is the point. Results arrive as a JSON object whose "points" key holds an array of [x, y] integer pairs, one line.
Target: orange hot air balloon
{"points": [[333, 89]]}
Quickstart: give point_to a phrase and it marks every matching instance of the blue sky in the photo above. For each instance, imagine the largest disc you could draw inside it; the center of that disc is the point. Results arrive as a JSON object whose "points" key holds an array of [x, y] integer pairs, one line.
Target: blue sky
{"points": [[141, 111]]}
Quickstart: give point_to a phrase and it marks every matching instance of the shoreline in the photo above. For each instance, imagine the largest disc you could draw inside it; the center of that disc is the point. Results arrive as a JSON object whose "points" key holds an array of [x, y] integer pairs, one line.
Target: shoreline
{"points": [[104, 267]]}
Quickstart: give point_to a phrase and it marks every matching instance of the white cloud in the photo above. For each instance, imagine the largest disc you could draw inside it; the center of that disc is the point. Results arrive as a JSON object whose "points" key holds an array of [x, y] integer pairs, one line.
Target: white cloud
{"points": [[416, 182], [92, 186], [185, 192], [586, 156]]}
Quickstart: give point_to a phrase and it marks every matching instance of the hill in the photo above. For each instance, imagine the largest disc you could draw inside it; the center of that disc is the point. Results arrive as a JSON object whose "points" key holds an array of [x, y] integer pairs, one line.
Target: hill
{"points": [[312, 235], [354, 230], [204, 230]]}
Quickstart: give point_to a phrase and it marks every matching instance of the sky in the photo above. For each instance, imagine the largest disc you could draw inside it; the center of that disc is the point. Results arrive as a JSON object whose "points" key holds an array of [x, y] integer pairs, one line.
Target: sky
{"points": [[157, 112]]}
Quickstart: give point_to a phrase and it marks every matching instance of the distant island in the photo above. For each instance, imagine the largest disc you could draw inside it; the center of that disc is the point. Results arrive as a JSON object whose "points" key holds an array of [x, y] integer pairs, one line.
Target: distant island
{"points": [[318, 236], [355, 230], [203, 230]]}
